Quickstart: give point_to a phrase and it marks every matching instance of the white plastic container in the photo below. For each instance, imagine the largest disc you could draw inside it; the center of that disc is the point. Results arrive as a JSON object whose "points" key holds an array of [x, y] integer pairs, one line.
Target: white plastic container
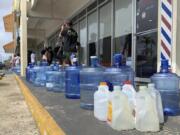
{"points": [[120, 116], [146, 111], [129, 90], [101, 102], [156, 95]]}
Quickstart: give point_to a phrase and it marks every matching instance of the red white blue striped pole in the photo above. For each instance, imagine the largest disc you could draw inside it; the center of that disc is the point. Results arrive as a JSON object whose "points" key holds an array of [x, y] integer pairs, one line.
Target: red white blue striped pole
{"points": [[166, 29]]}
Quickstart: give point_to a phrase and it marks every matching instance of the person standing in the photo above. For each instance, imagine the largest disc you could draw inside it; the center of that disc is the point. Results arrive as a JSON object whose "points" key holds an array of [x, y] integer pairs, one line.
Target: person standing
{"points": [[17, 60], [69, 36], [33, 58]]}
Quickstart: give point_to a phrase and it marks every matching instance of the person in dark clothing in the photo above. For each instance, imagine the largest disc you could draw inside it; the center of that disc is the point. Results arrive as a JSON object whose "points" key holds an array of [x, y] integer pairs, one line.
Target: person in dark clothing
{"points": [[49, 55], [58, 51], [69, 36]]}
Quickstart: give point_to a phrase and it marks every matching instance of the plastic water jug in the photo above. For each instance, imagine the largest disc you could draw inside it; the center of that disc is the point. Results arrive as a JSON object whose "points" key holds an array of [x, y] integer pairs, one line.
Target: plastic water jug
{"points": [[28, 73], [117, 62], [156, 95], [101, 102], [90, 77], [120, 115], [167, 84], [146, 111], [40, 76], [72, 81], [55, 80], [165, 80], [129, 90], [115, 75]]}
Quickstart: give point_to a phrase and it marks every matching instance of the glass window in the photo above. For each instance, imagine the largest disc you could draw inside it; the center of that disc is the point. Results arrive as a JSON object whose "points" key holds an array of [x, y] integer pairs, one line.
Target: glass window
{"points": [[123, 27], [146, 55], [123, 17], [105, 34], [92, 34], [147, 12], [76, 28], [83, 41]]}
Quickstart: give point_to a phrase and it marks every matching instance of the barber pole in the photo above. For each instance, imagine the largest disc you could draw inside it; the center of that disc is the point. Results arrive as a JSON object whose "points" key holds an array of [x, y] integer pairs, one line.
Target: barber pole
{"points": [[166, 29]]}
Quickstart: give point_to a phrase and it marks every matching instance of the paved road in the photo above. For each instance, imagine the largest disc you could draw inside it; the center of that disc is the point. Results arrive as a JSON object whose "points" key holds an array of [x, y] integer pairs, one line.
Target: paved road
{"points": [[15, 118]]}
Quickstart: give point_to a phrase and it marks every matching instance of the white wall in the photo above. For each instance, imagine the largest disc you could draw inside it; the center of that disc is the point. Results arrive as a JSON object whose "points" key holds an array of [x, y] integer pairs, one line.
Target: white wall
{"points": [[178, 39]]}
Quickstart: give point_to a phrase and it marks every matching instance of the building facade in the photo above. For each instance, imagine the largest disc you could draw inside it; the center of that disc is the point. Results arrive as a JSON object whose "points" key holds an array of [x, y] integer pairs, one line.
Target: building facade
{"points": [[105, 27]]}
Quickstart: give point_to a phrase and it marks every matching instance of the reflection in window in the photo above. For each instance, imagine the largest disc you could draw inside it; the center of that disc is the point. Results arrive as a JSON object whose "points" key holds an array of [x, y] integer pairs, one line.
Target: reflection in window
{"points": [[92, 34], [83, 41], [105, 35], [123, 27], [147, 12], [146, 55]]}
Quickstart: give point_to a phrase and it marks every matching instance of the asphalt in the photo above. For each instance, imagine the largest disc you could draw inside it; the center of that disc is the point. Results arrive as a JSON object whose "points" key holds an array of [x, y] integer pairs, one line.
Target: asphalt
{"points": [[76, 121]]}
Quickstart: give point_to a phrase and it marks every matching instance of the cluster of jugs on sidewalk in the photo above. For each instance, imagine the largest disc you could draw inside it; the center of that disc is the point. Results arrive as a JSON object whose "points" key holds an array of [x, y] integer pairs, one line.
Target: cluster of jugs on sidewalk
{"points": [[125, 108]]}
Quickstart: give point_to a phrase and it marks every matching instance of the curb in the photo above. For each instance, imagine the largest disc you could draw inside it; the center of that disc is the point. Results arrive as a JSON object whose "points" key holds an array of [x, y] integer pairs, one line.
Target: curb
{"points": [[44, 121]]}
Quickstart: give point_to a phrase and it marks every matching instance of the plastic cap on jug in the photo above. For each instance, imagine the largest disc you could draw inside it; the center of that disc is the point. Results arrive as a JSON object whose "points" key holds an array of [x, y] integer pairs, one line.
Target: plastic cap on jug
{"points": [[103, 84], [94, 61], [127, 82], [116, 88]]}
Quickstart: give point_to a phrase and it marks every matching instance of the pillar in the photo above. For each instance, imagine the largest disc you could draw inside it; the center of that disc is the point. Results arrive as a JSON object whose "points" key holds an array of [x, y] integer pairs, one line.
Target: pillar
{"points": [[23, 36]]}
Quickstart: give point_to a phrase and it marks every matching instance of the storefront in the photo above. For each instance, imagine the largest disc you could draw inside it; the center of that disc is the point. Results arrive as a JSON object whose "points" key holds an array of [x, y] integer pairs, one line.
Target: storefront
{"points": [[120, 26], [105, 27]]}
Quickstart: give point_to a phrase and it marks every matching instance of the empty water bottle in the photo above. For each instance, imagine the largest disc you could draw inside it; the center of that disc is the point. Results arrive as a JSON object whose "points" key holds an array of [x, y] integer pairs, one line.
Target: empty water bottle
{"points": [[72, 81], [90, 77], [55, 80], [115, 75], [167, 84]]}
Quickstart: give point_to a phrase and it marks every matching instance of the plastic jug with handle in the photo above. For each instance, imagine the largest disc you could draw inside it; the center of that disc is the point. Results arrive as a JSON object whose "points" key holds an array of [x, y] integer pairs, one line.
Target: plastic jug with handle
{"points": [[120, 115], [146, 111], [129, 90], [101, 102], [156, 95]]}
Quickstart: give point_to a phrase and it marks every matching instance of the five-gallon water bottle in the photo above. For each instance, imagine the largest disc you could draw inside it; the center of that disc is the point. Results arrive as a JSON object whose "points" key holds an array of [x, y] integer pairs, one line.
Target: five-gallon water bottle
{"points": [[72, 81], [55, 79], [115, 74], [156, 95], [120, 115], [28, 73], [101, 102], [40, 76], [167, 84], [90, 78], [146, 111]]}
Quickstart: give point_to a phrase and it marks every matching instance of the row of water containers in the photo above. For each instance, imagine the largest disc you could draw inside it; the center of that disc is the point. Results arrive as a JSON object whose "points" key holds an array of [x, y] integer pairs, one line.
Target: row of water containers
{"points": [[125, 109], [82, 82]]}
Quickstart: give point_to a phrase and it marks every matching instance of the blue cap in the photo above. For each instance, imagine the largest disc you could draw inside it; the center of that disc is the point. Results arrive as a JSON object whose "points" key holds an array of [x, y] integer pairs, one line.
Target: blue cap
{"points": [[164, 66], [117, 58]]}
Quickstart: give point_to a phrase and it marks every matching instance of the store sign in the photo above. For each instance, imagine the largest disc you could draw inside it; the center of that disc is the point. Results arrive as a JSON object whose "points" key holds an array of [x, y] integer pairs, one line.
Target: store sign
{"points": [[166, 29], [8, 22]]}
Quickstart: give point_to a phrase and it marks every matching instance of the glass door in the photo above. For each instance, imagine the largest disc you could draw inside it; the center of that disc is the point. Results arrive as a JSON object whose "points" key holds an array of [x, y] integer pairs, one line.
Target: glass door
{"points": [[123, 28], [146, 38]]}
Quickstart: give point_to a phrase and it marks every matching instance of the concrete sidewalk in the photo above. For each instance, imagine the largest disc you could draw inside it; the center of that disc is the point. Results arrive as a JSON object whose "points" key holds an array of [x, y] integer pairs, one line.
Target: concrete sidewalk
{"points": [[15, 118]]}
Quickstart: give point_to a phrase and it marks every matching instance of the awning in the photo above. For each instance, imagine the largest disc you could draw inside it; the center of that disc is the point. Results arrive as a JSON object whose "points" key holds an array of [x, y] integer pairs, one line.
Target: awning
{"points": [[9, 22], [9, 47]]}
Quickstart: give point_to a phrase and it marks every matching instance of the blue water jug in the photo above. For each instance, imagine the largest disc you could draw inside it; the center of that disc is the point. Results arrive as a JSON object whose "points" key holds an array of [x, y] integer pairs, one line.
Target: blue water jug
{"points": [[55, 80], [168, 85], [72, 81], [40, 76], [115, 75], [29, 67], [90, 77]]}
